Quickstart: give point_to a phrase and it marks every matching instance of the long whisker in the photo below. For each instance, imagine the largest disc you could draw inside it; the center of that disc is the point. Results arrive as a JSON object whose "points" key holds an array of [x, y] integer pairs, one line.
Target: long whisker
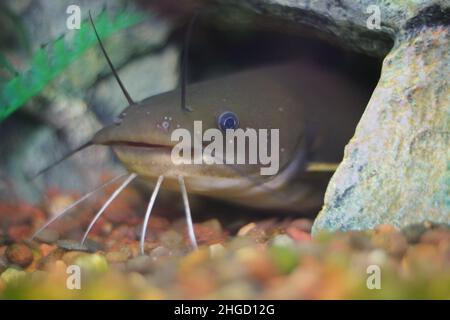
{"points": [[74, 204], [108, 202], [187, 211], [102, 47], [149, 211], [54, 164], [184, 62]]}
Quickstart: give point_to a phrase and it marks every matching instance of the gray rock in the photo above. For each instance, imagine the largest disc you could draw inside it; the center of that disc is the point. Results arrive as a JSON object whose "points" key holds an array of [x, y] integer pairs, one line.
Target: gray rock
{"points": [[72, 245], [94, 246], [48, 236], [171, 239], [282, 240], [414, 232], [396, 169], [141, 264], [118, 256], [160, 252], [359, 241]]}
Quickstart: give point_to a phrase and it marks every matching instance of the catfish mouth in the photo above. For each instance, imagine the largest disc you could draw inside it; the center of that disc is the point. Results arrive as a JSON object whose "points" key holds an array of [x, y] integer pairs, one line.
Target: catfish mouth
{"points": [[145, 145]]}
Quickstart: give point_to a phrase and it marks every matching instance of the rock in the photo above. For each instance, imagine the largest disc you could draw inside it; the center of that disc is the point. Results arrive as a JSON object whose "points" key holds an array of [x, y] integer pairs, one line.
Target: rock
{"points": [[302, 224], [72, 245], [12, 275], [394, 243], [190, 262], [414, 232], [3, 264], [47, 236], [252, 230], [70, 257], [59, 267], [284, 257], [18, 214], [125, 232], [213, 224], [359, 240], [160, 252], [94, 246], [436, 236], [396, 168], [284, 253], [207, 233], [118, 266], [171, 238], [282, 240], [423, 258], [297, 234], [385, 228], [19, 254], [243, 231], [93, 263], [345, 20], [33, 245], [19, 233], [216, 250], [47, 262], [117, 256], [378, 257], [141, 264], [137, 280], [46, 249], [236, 290]]}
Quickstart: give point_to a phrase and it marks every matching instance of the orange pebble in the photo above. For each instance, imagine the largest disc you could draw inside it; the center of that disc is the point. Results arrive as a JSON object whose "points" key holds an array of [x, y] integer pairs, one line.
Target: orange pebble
{"points": [[46, 249], [298, 235]]}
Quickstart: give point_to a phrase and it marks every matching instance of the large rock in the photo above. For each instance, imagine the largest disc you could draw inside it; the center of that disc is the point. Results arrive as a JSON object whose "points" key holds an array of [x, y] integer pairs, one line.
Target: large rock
{"points": [[396, 169]]}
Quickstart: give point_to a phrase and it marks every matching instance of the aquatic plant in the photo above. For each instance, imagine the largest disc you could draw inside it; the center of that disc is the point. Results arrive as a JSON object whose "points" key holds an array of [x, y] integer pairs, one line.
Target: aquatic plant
{"points": [[52, 59]]}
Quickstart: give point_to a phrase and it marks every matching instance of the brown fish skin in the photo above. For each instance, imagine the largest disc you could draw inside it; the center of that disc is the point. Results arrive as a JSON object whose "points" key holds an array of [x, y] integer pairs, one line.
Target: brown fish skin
{"points": [[291, 97]]}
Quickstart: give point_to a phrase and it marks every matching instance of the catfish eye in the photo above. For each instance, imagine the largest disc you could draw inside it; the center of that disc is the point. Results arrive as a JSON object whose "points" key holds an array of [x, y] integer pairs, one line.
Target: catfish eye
{"points": [[228, 120]]}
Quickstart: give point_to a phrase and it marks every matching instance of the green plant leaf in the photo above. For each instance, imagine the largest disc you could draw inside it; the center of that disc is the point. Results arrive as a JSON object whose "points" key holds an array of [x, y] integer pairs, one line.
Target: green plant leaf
{"points": [[48, 62]]}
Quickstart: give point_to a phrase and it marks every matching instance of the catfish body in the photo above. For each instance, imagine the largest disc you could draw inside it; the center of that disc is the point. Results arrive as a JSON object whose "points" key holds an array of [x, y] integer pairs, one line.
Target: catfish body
{"points": [[315, 110]]}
